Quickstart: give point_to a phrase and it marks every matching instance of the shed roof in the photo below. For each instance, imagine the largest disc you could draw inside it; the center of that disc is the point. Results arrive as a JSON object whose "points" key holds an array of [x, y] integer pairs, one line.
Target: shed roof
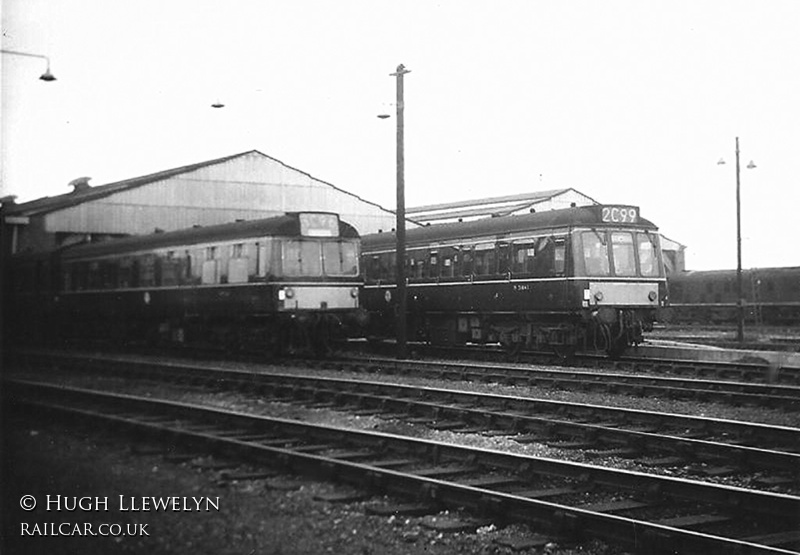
{"points": [[493, 206], [86, 194]]}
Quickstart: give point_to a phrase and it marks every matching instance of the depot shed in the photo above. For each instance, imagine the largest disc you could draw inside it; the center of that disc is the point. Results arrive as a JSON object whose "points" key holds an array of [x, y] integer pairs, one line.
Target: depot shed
{"points": [[245, 186]]}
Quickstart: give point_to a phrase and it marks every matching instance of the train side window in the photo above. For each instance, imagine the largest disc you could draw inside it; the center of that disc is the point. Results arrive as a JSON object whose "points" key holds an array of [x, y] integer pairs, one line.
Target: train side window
{"points": [[417, 268], [542, 258], [468, 261], [503, 258], [523, 258], [186, 267], [373, 267], [170, 269], [110, 274], [210, 273], [389, 262], [147, 271], [485, 260], [448, 257], [559, 256], [79, 271], [66, 278], [265, 265], [124, 280], [94, 276], [237, 264], [433, 264]]}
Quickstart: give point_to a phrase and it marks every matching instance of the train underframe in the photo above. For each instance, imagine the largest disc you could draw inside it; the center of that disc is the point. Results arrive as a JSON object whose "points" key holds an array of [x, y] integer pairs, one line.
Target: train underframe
{"points": [[274, 333], [607, 330]]}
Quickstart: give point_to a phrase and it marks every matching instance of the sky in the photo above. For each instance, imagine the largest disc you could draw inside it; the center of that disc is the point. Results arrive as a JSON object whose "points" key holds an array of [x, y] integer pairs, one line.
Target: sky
{"points": [[626, 101]]}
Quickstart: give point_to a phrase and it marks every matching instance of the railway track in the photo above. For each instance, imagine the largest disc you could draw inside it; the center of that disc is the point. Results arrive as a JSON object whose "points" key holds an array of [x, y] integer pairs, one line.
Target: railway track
{"points": [[709, 390], [640, 511], [710, 446], [628, 382], [748, 369]]}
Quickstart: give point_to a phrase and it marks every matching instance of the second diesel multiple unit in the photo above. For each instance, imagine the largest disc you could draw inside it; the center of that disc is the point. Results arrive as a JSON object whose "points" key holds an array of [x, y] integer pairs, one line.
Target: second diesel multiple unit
{"points": [[264, 284], [588, 278]]}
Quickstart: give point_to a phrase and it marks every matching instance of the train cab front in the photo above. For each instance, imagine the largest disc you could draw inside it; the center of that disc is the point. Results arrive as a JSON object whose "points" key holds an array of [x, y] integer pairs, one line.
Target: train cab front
{"points": [[322, 312], [620, 278]]}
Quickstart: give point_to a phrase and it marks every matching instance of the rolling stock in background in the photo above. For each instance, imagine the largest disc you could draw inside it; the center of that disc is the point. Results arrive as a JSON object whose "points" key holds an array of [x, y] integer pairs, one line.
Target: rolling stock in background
{"points": [[588, 278], [267, 284], [771, 296]]}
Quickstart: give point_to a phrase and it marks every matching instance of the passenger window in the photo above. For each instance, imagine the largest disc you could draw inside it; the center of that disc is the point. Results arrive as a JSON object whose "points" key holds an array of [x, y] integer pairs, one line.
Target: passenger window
{"points": [[238, 264], [524, 258], [433, 264], [147, 271], [210, 270], [447, 262], [467, 267], [559, 257], [484, 262]]}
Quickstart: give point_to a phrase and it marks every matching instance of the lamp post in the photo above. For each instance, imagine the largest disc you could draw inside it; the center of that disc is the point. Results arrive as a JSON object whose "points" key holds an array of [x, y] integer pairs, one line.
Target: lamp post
{"points": [[402, 296], [46, 76], [739, 288]]}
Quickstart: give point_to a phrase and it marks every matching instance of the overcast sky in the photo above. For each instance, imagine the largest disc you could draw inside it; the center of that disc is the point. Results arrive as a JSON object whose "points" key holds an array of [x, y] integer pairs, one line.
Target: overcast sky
{"points": [[626, 101]]}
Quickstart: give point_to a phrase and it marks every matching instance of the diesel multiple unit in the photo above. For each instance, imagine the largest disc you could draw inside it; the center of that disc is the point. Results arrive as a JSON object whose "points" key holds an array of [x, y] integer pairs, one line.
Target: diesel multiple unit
{"points": [[271, 283], [588, 278]]}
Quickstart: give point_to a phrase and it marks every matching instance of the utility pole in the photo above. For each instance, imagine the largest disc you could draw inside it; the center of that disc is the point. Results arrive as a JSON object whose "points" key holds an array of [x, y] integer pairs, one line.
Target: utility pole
{"points": [[739, 300], [402, 295]]}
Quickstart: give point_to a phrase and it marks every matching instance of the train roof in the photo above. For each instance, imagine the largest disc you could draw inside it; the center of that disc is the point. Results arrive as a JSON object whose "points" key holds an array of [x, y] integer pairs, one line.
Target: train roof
{"points": [[588, 216], [287, 225]]}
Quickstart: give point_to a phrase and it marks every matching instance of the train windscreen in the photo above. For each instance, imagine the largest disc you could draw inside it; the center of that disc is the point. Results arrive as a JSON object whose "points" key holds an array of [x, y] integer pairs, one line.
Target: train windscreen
{"points": [[316, 258], [619, 253]]}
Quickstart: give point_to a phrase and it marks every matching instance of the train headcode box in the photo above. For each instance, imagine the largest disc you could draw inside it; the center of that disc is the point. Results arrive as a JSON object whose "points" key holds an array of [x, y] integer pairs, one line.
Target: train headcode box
{"points": [[618, 214], [319, 225]]}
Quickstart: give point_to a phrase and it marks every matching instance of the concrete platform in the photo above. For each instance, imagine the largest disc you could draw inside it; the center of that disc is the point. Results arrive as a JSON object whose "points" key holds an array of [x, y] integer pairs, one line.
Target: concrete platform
{"points": [[705, 353]]}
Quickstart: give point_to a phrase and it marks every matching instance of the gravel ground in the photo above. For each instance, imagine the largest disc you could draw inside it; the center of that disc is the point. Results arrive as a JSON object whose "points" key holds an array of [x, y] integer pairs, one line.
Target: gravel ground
{"points": [[764, 415], [251, 404], [278, 515]]}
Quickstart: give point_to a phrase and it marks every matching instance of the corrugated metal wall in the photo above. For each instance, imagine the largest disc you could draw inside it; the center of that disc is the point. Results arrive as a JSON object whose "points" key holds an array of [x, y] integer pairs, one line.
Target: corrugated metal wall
{"points": [[248, 187]]}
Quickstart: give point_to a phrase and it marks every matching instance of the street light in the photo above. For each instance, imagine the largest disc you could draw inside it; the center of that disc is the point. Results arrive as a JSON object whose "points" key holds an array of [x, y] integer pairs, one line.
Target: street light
{"points": [[739, 299], [46, 76], [400, 260]]}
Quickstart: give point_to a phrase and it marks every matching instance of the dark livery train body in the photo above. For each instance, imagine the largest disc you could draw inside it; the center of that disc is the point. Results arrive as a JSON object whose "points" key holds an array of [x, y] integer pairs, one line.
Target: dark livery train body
{"points": [[771, 296], [267, 284], [588, 278]]}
